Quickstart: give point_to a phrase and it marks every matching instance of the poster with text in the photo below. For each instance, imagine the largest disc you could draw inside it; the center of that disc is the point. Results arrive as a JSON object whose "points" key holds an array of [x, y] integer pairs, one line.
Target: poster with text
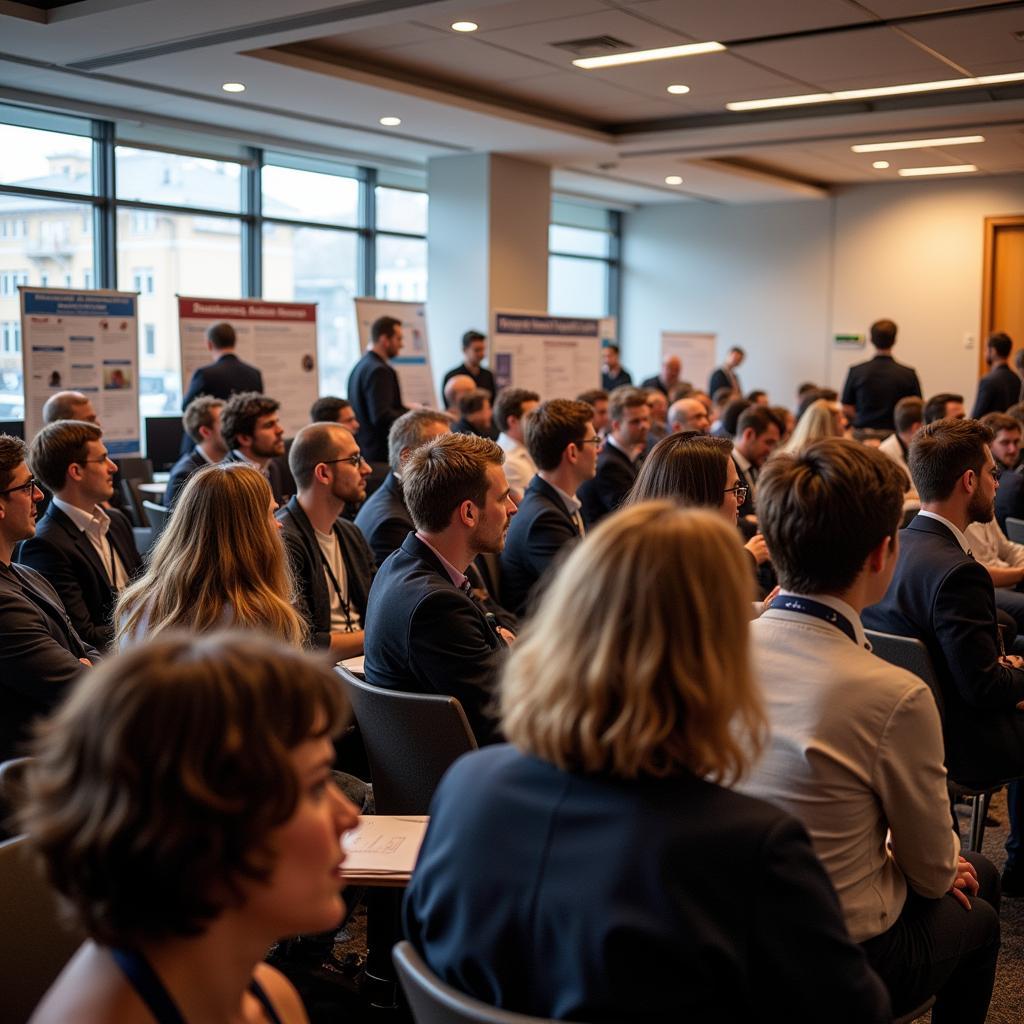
{"points": [[412, 364], [696, 351], [84, 341], [556, 356], [278, 338]]}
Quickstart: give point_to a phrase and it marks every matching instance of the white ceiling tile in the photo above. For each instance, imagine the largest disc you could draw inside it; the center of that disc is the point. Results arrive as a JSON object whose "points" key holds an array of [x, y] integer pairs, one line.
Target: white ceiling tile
{"points": [[975, 39], [507, 15], [381, 38]]}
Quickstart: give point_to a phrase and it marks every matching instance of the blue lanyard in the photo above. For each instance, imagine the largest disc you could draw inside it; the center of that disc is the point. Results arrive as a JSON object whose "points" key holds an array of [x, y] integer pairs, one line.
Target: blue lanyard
{"points": [[817, 610]]}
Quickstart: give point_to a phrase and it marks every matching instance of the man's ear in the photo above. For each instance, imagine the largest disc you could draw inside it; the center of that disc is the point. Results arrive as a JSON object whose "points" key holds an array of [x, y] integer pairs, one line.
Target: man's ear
{"points": [[468, 513], [879, 555], [969, 481]]}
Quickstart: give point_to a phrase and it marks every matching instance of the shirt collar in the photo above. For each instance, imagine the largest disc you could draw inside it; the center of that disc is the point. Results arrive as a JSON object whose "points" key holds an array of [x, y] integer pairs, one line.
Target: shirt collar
{"points": [[836, 604], [571, 502], [955, 530], [96, 522], [741, 460], [206, 458], [509, 444], [249, 462], [459, 579], [610, 439]]}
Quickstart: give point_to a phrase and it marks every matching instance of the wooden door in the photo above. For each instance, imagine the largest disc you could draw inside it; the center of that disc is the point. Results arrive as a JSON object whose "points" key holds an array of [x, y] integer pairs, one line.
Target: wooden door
{"points": [[1002, 304]]}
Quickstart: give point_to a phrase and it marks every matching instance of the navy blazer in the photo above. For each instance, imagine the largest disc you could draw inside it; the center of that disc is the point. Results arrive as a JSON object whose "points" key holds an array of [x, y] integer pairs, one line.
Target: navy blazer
{"points": [[616, 474], [583, 897], [424, 635], [376, 397], [720, 379], [997, 391], [621, 379], [384, 519], [66, 558], [540, 532], [749, 507], [38, 654], [1010, 496], [188, 464], [223, 378], [945, 599], [307, 563]]}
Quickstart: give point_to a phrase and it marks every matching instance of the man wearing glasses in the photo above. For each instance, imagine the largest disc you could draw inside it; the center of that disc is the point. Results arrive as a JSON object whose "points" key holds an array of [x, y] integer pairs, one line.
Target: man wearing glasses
{"points": [[41, 653], [86, 552], [332, 563]]}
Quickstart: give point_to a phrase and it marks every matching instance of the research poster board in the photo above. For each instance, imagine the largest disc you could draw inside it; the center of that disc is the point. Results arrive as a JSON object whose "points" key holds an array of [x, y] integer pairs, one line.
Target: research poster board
{"points": [[88, 341], [696, 350], [413, 363], [556, 356], [278, 338]]}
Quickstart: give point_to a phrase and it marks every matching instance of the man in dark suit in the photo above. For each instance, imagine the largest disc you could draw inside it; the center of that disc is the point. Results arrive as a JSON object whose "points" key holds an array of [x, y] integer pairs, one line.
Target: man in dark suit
{"points": [[374, 391], [84, 551], [202, 425], [872, 389], [943, 597], [253, 434], [561, 440], [41, 654], [474, 349], [619, 461], [475, 415], [613, 374], [331, 562], [757, 436], [725, 376], [671, 368], [425, 632], [1000, 387], [227, 374]]}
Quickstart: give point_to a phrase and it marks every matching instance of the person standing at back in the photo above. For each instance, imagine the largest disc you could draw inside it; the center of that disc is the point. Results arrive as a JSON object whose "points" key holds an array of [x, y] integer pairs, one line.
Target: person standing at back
{"points": [[474, 350], [725, 376], [227, 374], [1000, 387], [613, 373], [872, 389], [374, 390]]}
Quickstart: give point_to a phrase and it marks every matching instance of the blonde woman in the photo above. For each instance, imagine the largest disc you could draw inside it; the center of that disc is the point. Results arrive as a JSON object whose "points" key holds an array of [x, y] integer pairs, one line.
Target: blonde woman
{"points": [[820, 419], [598, 869], [219, 562]]}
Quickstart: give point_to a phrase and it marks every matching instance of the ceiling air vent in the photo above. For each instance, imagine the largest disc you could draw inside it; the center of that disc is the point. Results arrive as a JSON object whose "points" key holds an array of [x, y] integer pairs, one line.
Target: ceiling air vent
{"points": [[594, 46]]}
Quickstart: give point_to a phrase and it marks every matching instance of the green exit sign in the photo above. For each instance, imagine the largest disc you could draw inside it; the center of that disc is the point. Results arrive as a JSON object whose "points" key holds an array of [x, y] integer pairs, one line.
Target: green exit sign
{"points": [[848, 340]]}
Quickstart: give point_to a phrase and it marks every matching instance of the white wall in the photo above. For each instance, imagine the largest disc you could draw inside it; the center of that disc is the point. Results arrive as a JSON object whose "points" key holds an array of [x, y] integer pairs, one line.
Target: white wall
{"points": [[781, 278]]}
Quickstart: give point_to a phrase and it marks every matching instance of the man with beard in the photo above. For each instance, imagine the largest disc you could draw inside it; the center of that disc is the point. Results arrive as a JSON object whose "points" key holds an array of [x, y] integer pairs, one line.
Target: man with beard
{"points": [[252, 434], [374, 389], [943, 597], [426, 632]]}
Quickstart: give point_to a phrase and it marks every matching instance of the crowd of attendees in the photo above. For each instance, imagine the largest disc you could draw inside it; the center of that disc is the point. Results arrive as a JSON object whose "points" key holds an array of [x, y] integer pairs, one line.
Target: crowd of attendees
{"points": [[698, 793]]}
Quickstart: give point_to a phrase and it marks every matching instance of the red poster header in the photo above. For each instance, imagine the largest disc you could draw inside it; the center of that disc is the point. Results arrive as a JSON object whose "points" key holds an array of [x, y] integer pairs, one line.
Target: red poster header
{"points": [[245, 309]]}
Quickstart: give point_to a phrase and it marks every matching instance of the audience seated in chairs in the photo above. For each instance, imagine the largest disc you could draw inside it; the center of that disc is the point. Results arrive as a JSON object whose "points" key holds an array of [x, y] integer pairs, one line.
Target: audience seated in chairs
{"points": [[69, 405], [425, 630], [855, 749], [219, 562], [85, 551], [329, 409], [183, 804], [475, 415], [201, 421], [599, 868]]}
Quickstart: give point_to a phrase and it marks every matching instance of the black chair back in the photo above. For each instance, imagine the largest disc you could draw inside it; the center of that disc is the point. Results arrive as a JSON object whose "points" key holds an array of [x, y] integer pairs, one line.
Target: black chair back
{"points": [[909, 653], [157, 516]]}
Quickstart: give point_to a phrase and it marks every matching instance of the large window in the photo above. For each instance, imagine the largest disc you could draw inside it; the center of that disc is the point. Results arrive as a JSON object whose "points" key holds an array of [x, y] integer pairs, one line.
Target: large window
{"points": [[583, 261]]}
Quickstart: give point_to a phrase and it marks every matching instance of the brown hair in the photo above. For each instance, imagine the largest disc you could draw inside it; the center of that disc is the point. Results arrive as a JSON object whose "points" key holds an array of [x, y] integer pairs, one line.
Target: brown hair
{"points": [[240, 414], [996, 421], [908, 411], [313, 444], [410, 431], [688, 467], [636, 662], [473, 401], [199, 413], [942, 452], [12, 455], [59, 445], [883, 334], [154, 787], [510, 403], [624, 398], [552, 427], [442, 474]]}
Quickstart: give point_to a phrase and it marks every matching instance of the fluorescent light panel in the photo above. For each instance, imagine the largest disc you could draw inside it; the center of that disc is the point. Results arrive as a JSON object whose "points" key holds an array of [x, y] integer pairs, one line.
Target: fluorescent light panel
{"points": [[920, 172], [612, 60], [885, 147], [884, 90]]}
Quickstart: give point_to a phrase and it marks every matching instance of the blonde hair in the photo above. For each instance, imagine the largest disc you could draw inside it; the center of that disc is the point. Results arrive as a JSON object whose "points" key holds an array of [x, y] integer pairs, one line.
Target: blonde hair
{"points": [[820, 420], [218, 562], [636, 661]]}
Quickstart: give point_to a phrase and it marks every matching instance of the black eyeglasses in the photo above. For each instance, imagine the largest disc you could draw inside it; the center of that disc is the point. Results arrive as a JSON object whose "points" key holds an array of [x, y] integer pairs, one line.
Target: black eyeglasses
{"points": [[85, 462], [353, 460], [591, 440], [740, 490], [29, 485]]}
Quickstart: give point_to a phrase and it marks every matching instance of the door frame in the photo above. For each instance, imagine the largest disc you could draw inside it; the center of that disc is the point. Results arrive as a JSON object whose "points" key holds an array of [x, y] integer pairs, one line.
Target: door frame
{"points": [[992, 228]]}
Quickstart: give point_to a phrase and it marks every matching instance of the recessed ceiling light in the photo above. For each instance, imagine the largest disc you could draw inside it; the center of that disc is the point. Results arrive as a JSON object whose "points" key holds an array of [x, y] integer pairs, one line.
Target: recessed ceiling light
{"points": [[679, 90], [914, 172], [390, 122], [233, 87], [464, 26], [612, 60], [884, 147], [673, 179], [880, 165], [884, 90]]}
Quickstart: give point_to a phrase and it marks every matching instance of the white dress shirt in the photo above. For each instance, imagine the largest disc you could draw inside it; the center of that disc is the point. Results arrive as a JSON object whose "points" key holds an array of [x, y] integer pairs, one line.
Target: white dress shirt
{"points": [[96, 525], [520, 468]]}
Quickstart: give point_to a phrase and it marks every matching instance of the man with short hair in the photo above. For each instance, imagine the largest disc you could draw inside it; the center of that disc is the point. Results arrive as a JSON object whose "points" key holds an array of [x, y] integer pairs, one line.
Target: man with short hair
{"points": [[374, 390], [69, 405], [855, 744], [944, 406], [425, 631], [475, 415], [942, 596], [84, 551], [757, 435], [563, 444], [725, 376], [329, 409], [454, 388], [202, 424], [668, 378], [40, 654], [474, 349], [758, 397], [597, 399], [619, 460], [613, 374], [253, 434], [384, 519], [1000, 387], [510, 412], [227, 374], [688, 414], [909, 418], [1010, 496], [657, 403], [331, 562], [873, 388]]}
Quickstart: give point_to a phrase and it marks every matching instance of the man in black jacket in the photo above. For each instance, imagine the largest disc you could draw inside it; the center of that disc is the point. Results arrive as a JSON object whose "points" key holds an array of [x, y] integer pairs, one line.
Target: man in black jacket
{"points": [[474, 350], [85, 551], [253, 434], [374, 390], [202, 425], [331, 562], [227, 374], [425, 631], [873, 388], [1000, 387]]}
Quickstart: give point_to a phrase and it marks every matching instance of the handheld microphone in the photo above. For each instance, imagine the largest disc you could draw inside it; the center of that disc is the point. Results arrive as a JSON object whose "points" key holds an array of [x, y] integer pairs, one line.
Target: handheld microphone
{"points": [[493, 623]]}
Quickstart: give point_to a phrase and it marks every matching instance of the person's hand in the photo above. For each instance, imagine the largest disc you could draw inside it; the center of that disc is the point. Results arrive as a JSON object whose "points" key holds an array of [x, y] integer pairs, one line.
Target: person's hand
{"points": [[1011, 661], [758, 548], [966, 881], [507, 635], [86, 661]]}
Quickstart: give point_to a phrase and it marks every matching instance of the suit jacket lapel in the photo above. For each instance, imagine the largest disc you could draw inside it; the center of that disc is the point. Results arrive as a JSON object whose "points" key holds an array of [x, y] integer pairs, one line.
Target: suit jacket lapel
{"points": [[549, 492], [81, 542], [55, 613]]}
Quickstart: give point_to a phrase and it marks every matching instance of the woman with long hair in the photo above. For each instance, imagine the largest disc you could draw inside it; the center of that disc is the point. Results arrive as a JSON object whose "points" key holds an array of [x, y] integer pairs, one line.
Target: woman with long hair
{"points": [[598, 869], [219, 562], [821, 419], [182, 802]]}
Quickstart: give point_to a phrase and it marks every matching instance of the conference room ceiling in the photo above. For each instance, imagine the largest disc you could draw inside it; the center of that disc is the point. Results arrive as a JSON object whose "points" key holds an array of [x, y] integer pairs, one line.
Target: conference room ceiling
{"points": [[323, 76]]}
